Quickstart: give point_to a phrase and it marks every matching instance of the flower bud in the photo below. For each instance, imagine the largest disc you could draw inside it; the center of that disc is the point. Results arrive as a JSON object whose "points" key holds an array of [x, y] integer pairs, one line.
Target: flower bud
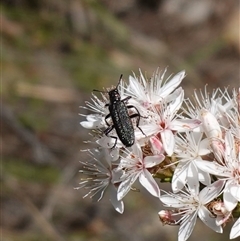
{"points": [[210, 125]]}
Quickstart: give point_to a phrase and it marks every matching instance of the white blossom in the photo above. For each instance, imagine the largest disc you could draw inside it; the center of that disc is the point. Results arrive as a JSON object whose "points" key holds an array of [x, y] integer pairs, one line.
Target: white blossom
{"points": [[190, 148], [228, 171], [192, 204], [193, 144], [100, 178], [149, 93], [135, 166]]}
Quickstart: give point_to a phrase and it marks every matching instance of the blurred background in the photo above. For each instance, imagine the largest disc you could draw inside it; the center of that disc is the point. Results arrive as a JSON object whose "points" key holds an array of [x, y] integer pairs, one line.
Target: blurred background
{"points": [[53, 53]]}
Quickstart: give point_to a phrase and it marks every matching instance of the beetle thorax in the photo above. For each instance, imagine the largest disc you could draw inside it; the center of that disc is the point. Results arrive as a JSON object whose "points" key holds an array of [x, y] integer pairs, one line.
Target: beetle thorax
{"points": [[114, 95]]}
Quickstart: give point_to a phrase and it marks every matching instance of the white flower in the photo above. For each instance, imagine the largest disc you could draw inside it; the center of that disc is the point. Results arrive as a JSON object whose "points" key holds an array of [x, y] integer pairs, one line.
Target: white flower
{"points": [[188, 150], [228, 171], [216, 103], [97, 119], [163, 121], [135, 166], [191, 205], [235, 231], [100, 177], [150, 92], [230, 111]]}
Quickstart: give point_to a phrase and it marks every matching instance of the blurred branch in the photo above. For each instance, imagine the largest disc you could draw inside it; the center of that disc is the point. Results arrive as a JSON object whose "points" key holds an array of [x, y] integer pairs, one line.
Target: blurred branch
{"points": [[41, 154], [53, 197], [47, 93], [47, 228]]}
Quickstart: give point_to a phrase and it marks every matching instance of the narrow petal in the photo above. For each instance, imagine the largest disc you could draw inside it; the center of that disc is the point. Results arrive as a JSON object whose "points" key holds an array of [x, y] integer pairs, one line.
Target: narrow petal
{"points": [[204, 147], [210, 192], [204, 177], [146, 179], [168, 141], [172, 83], [175, 105], [193, 183], [174, 201], [235, 191], [125, 187], [151, 161], [118, 205], [179, 177], [90, 124], [93, 117], [183, 125], [137, 151], [235, 231], [213, 168], [230, 201], [205, 215], [135, 86], [230, 151], [187, 226]]}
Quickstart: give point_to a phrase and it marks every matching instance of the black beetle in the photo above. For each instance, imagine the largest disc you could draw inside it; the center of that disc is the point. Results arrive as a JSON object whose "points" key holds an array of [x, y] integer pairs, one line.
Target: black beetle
{"points": [[122, 123]]}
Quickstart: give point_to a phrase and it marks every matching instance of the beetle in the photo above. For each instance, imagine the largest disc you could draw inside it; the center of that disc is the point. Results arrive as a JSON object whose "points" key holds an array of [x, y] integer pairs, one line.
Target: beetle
{"points": [[118, 112]]}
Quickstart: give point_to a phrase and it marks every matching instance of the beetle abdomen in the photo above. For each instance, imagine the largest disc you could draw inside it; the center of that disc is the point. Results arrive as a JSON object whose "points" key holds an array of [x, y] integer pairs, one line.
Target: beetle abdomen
{"points": [[122, 123]]}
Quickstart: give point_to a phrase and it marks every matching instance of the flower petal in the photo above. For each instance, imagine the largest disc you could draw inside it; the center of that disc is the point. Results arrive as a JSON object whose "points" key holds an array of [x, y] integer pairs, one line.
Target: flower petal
{"points": [[118, 205], [193, 183], [176, 104], [213, 168], [235, 191], [170, 201], [179, 176], [146, 179], [235, 231], [125, 187], [230, 201], [210, 192], [204, 147], [204, 177], [168, 141], [183, 125], [187, 226], [205, 215], [172, 83], [151, 161], [90, 124]]}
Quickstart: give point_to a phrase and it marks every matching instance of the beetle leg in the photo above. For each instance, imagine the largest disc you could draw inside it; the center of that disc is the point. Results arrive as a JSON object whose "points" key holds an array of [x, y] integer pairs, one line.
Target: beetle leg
{"points": [[132, 106], [114, 137], [137, 115], [126, 99], [107, 131], [107, 116]]}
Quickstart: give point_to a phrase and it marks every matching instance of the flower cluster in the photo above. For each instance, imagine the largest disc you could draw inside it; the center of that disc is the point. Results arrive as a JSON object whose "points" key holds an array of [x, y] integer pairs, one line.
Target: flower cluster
{"points": [[193, 144]]}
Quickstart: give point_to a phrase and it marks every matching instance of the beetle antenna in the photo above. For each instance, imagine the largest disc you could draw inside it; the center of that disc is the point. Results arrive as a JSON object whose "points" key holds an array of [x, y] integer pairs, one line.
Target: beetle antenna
{"points": [[100, 91], [119, 80], [116, 86]]}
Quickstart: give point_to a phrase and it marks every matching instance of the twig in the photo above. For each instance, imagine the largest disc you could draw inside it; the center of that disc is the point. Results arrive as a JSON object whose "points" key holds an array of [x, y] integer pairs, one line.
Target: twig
{"points": [[41, 154]]}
